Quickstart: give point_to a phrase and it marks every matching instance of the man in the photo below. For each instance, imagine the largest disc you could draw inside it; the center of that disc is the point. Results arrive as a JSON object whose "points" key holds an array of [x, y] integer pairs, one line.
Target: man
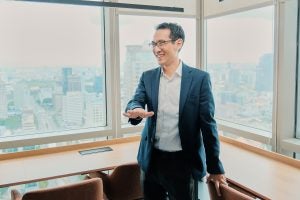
{"points": [[179, 142]]}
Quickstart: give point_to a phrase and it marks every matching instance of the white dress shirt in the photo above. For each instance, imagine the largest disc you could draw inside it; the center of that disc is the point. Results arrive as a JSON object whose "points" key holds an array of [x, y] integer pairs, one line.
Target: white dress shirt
{"points": [[167, 132]]}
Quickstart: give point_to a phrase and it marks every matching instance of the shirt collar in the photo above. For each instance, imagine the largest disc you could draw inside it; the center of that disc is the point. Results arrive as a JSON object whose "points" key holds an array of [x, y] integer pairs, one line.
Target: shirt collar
{"points": [[178, 70]]}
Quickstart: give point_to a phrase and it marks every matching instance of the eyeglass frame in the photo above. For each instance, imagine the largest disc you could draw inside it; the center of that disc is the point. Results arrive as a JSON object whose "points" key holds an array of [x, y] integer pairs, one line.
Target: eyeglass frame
{"points": [[160, 43]]}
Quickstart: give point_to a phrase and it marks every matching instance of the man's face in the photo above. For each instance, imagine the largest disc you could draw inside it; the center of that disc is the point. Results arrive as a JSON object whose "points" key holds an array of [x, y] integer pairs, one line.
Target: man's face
{"points": [[166, 51]]}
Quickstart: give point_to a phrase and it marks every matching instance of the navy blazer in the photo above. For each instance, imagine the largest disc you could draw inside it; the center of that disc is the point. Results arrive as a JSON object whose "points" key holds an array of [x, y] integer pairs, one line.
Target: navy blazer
{"points": [[197, 127]]}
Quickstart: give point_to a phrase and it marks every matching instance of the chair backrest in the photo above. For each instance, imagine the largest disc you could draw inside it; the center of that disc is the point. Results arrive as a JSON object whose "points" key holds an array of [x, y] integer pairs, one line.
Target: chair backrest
{"points": [[91, 189], [227, 193], [125, 182]]}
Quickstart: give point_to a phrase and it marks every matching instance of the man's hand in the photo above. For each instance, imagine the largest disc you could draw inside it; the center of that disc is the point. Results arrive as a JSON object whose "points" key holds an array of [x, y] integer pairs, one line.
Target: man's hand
{"points": [[217, 179], [138, 113]]}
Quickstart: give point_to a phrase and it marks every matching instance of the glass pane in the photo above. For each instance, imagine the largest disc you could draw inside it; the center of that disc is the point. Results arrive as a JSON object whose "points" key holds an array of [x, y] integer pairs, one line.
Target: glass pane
{"points": [[51, 68], [135, 54], [240, 61]]}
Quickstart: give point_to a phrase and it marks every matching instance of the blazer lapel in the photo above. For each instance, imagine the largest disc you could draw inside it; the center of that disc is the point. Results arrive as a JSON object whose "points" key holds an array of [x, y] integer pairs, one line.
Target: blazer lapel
{"points": [[154, 89], [186, 81]]}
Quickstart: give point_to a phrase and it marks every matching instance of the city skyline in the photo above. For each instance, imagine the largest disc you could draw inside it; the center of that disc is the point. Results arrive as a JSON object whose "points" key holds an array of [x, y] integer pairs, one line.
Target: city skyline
{"points": [[63, 100], [37, 105]]}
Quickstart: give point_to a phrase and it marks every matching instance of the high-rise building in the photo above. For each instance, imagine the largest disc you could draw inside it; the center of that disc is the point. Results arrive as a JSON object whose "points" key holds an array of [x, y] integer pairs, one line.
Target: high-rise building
{"points": [[72, 110], [98, 83], [66, 72], [74, 83], [95, 110], [139, 58], [22, 96], [264, 73], [72, 100]]}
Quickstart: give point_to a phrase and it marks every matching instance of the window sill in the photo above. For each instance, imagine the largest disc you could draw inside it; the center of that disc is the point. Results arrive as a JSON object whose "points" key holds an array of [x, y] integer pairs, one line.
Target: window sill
{"points": [[246, 132], [54, 137], [291, 144]]}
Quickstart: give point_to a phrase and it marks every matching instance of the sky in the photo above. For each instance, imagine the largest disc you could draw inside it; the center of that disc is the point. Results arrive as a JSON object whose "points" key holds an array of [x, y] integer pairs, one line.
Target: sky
{"points": [[33, 34], [240, 38]]}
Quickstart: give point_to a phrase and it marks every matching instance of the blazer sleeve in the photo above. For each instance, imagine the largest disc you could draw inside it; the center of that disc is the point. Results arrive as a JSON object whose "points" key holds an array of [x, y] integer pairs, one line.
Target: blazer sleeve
{"points": [[209, 128], [138, 100]]}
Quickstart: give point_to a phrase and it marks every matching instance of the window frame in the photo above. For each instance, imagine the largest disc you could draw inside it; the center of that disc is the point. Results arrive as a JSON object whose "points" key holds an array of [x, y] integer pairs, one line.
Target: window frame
{"points": [[287, 143], [241, 130], [283, 121], [76, 134], [122, 129]]}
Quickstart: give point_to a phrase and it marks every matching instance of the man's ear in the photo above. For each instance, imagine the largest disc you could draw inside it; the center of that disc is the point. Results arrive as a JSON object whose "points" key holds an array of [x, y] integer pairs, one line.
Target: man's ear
{"points": [[179, 44]]}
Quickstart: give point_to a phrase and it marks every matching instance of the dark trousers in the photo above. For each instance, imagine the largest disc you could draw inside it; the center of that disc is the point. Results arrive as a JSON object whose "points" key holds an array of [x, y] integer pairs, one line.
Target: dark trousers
{"points": [[169, 177]]}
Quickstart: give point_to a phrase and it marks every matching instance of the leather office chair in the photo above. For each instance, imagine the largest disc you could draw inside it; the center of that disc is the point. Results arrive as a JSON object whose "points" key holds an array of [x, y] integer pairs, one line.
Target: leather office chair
{"points": [[91, 189], [123, 183], [227, 192]]}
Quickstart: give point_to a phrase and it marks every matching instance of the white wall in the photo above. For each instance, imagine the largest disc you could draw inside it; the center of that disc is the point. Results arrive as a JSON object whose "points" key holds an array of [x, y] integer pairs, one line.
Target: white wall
{"points": [[214, 7]]}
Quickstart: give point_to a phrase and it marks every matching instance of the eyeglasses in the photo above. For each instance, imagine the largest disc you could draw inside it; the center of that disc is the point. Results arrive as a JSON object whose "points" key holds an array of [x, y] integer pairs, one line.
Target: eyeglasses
{"points": [[160, 43]]}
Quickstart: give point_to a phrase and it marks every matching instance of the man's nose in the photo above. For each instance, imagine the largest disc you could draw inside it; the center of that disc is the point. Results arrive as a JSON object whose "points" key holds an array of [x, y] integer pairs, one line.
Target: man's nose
{"points": [[156, 49]]}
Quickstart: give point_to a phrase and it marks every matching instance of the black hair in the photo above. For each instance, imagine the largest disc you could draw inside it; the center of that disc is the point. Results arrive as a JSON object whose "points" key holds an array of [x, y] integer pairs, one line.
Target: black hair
{"points": [[176, 31]]}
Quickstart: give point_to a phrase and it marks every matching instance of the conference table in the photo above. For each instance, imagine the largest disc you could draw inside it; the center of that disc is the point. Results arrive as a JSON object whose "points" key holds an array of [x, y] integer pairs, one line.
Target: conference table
{"points": [[267, 173]]}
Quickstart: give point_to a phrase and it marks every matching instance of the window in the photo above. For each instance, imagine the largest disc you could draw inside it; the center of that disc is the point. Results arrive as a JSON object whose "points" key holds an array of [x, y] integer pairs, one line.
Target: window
{"points": [[52, 72], [135, 54], [240, 62]]}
